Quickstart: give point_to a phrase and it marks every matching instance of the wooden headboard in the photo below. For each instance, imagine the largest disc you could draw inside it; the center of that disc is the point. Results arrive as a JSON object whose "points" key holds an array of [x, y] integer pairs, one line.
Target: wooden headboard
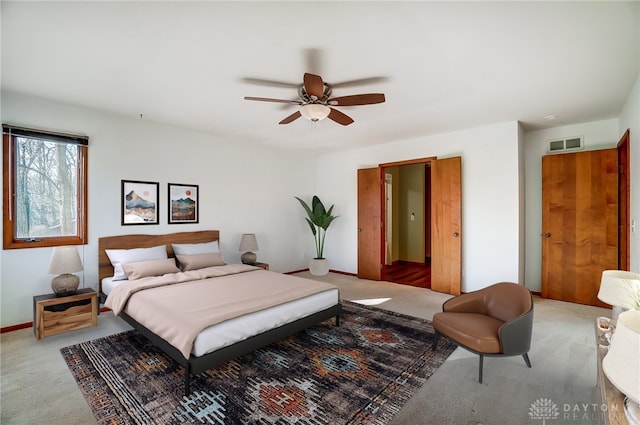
{"points": [[105, 269]]}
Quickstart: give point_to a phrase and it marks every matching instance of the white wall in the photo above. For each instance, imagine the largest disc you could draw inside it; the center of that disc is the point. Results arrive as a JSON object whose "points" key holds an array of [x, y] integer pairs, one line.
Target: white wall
{"points": [[411, 193], [250, 189], [490, 198], [597, 135], [630, 119], [242, 189]]}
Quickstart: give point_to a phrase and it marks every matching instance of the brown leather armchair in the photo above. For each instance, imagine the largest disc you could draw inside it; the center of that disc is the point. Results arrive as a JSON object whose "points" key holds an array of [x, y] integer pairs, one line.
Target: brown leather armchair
{"points": [[494, 321]]}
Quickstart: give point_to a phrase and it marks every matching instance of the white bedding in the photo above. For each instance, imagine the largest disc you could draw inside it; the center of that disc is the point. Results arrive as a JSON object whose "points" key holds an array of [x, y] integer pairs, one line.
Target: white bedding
{"points": [[240, 328], [243, 327], [108, 283]]}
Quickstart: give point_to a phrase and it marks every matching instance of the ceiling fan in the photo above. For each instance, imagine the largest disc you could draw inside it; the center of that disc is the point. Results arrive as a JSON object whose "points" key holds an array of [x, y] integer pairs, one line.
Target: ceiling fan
{"points": [[317, 104]]}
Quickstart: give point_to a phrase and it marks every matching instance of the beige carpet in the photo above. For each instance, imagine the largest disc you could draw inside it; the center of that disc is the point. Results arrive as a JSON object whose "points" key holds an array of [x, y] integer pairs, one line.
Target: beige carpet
{"points": [[37, 387]]}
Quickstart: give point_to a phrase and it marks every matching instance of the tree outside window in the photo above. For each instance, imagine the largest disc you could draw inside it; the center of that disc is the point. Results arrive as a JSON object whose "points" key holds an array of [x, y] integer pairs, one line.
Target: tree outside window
{"points": [[44, 188]]}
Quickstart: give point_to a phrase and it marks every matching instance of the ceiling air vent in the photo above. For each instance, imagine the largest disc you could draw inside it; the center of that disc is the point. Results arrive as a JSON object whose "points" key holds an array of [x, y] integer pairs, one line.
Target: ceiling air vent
{"points": [[563, 145]]}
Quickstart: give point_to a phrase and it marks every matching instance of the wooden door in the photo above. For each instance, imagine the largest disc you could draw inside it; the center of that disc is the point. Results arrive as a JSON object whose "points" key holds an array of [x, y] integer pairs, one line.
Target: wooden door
{"points": [[370, 202], [624, 188], [579, 223], [446, 225]]}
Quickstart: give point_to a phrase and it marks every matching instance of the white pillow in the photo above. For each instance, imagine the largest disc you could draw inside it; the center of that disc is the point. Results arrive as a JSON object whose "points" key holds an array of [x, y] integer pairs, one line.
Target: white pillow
{"points": [[120, 256], [195, 248]]}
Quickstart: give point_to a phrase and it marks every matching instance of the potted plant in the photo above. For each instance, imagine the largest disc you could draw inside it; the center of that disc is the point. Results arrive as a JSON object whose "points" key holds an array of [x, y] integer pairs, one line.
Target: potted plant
{"points": [[319, 219]]}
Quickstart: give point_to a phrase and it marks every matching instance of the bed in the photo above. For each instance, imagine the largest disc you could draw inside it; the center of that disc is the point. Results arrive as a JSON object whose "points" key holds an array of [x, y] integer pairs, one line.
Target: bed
{"points": [[234, 333]]}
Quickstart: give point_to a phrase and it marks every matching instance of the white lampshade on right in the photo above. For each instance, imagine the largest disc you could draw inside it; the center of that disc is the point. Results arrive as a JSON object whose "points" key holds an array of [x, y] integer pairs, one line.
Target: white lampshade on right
{"points": [[621, 289], [622, 362]]}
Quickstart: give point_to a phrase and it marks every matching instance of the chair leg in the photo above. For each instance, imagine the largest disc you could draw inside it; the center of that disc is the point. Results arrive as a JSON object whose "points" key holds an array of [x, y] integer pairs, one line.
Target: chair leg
{"points": [[436, 338], [480, 369], [525, 356]]}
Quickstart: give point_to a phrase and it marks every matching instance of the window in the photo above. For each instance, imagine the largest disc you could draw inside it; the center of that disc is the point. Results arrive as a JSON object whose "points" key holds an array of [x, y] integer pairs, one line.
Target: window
{"points": [[44, 188]]}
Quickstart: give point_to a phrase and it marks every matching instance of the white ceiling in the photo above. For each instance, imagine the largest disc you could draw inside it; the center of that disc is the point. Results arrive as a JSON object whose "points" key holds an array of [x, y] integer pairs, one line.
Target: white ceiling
{"points": [[446, 65]]}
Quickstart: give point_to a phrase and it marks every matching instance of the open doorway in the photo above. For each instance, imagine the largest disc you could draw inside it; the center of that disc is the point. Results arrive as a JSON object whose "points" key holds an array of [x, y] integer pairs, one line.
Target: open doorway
{"points": [[407, 212], [443, 233]]}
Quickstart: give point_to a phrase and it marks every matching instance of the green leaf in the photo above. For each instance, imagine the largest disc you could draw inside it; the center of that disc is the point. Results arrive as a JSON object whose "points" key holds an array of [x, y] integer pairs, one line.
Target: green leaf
{"points": [[306, 208], [313, 227], [318, 218]]}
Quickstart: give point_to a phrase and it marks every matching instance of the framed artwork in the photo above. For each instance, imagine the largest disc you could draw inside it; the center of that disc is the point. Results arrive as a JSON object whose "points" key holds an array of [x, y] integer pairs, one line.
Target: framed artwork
{"points": [[183, 203], [139, 202]]}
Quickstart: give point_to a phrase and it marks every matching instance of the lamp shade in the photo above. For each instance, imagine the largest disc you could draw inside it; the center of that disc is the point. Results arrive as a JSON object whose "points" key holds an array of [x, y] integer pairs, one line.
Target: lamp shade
{"points": [[248, 243], [65, 259], [620, 288], [622, 362], [314, 111]]}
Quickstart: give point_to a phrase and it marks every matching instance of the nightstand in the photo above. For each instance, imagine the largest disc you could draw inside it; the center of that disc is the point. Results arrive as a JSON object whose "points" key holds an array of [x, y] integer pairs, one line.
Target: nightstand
{"points": [[53, 315], [262, 265]]}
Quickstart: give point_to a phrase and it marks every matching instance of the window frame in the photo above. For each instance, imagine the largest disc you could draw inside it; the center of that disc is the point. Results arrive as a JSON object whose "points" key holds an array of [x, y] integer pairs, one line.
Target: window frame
{"points": [[10, 241]]}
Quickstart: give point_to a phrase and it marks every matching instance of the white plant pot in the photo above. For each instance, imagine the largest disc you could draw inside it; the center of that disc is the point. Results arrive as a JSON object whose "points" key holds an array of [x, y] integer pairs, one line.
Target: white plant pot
{"points": [[318, 266]]}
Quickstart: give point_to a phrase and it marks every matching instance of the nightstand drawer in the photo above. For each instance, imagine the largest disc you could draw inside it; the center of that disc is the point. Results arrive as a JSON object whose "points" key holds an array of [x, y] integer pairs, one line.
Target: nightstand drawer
{"points": [[69, 319]]}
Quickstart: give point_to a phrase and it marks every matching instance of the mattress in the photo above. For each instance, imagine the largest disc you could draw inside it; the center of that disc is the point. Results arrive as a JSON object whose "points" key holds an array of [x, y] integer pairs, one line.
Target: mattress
{"points": [[108, 284], [243, 327]]}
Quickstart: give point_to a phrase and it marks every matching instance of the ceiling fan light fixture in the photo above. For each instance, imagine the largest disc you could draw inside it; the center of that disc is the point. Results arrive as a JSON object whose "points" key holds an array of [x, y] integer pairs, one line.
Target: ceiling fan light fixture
{"points": [[315, 111]]}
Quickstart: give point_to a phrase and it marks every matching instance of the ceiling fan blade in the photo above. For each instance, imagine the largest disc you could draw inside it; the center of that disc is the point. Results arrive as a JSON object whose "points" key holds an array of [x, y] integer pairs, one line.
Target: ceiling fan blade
{"points": [[357, 99], [359, 82], [313, 85], [267, 99], [291, 117], [339, 117], [271, 83]]}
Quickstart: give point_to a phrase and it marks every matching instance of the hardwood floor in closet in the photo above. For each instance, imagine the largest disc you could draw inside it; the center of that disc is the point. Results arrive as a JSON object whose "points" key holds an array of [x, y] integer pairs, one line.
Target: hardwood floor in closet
{"points": [[407, 273]]}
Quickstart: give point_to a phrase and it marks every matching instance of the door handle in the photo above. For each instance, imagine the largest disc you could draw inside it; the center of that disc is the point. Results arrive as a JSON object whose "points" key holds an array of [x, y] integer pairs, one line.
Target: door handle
{"points": [[546, 235], [456, 234]]}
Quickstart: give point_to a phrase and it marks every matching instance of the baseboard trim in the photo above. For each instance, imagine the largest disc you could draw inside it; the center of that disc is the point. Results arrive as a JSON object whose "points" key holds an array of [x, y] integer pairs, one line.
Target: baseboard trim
{"points": [[330, 271], [343, 273], [16, 327], [297, 271]]}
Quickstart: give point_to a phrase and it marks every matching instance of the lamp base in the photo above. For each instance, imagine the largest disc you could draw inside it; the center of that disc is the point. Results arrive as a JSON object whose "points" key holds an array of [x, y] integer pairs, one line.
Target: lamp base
{"points": [[616, 311], [632, 411], [64, 285], [248, 258]]}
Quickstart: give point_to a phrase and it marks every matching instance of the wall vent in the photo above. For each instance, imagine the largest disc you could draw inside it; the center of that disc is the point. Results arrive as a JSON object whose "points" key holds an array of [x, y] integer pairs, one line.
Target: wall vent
{"points": [[568, 144]]}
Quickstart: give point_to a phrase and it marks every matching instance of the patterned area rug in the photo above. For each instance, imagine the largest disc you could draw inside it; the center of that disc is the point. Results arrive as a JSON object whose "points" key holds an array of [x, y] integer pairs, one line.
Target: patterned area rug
{"points": [[361, 372]]}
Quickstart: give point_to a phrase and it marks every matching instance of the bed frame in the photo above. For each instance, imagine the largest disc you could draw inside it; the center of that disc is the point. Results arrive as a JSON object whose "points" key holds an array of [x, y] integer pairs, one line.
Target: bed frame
{"points": [[196, 365]]}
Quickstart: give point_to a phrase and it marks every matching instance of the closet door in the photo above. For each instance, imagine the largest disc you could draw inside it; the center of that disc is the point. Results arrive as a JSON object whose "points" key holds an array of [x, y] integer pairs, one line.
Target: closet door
{"points": [[579, 223]]}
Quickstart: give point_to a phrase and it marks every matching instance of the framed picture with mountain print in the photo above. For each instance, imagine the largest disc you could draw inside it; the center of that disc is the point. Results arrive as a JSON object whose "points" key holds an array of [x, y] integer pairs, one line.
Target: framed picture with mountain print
{"points": [[139, 202], [183, 203]]}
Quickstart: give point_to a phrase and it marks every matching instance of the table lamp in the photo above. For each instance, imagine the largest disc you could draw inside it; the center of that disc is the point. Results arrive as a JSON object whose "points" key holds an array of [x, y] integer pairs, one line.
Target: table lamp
{"points": [[621, 289], [65, 260], [622, 363], [248, 243]]}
